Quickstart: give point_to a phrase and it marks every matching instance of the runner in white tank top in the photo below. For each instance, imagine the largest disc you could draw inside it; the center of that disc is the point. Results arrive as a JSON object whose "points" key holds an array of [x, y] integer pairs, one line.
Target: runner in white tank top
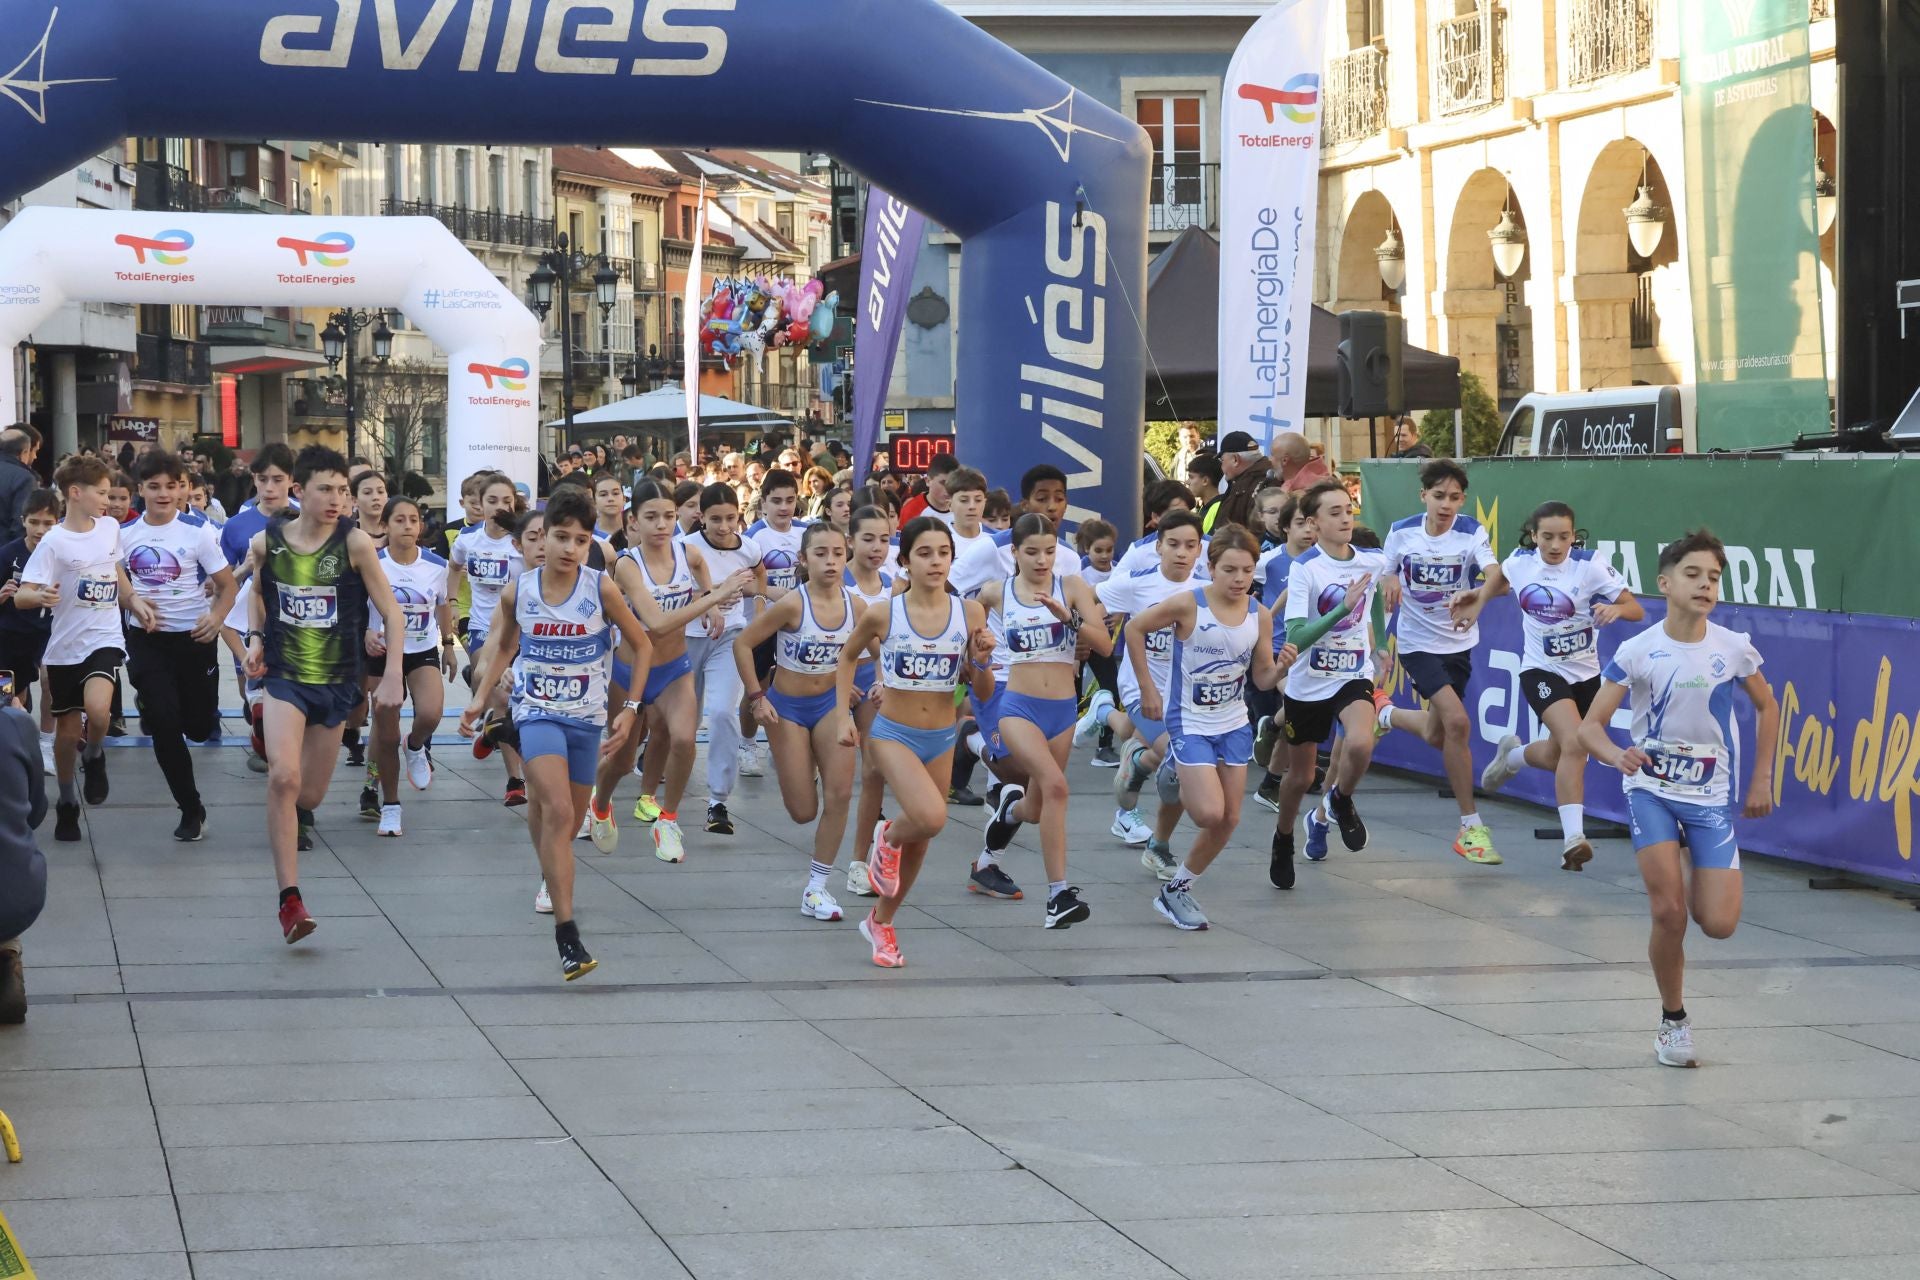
{"points": [[870, 532]]}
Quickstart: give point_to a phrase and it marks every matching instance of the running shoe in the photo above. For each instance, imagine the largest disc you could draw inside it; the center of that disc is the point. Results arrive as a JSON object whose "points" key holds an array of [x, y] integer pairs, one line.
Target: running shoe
{"points": [[1002, 825], [1106, 758], [964, 798], [46, 756], [818, 904], [751, 764], [295, 922], [117, 727], [645, 810], [1673, 1046], [483, 740], [1476, 845], [1129, 778], [304, 823], [586, 823], [1317, 829], [1382, 713], [886, 947], [993, 794], [193, 825], [66, 822], [605, 832], [992, 882], [667, 845], [1499, 773], [255, 761], [719, 822], [389, 820], [574, 960], [1575, 854], [1268, 793], [356, 754], [1090, 724], [370, 806], [1129, 828], [1265, 735], [883, 867], [516, 793], [1353, 832], [1064, 909], [1159, 859], [857, 882], [93, 783], [1280, 861], [543, 901], [419, 767], [1178, 906]]}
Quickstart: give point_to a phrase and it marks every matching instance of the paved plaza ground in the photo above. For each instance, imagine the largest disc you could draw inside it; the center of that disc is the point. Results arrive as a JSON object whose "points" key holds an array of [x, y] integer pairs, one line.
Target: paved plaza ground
{"points": [[1407, 1065]]}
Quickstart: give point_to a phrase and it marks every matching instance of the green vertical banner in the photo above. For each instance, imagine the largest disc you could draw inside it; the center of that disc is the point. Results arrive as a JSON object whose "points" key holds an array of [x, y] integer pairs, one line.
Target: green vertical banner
{"points": [[1753, 251]]}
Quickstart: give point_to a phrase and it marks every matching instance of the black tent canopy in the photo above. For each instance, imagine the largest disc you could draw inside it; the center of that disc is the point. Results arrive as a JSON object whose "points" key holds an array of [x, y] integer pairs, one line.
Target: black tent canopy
{"points": [[1183, 338]]}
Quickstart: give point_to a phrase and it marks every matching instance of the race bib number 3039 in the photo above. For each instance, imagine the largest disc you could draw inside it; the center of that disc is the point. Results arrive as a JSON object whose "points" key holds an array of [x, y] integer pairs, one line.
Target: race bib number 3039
{"points": [[316, 607]]}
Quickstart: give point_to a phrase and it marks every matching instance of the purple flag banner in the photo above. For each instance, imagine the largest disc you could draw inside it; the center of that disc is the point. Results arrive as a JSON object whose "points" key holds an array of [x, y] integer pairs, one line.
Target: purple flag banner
{"points": [[1846, 776], [887, 258]]}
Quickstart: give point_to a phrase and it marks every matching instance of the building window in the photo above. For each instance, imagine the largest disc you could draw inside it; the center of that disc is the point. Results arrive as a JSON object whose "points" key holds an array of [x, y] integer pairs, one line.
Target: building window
{"points": [[430, 174], [576, 230], [784, 223], [530, 187], [497, 183], [1176, 124], [463, 178], [686, 223], [396, 174]]}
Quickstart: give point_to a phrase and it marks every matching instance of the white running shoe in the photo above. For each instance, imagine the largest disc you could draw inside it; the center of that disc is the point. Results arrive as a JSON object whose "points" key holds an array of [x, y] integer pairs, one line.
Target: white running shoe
{"points": [[1575, 854], [605, 831], [46, 754], [1499, 773], [1127, 826], [667, 845], [586, 823], [542, 901], [389, 820], [1674, 1045], [750, 763], [1091, 723], [819, 905], [419, 767], [858, 884]]}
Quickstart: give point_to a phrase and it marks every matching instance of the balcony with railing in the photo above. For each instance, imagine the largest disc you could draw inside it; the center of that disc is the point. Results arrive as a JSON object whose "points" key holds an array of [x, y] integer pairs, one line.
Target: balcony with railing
{"points": [[1356, 97], [165, 187], [1185, 193], [483, 226], [1469, 62], [181, 361], [1608, 38]]}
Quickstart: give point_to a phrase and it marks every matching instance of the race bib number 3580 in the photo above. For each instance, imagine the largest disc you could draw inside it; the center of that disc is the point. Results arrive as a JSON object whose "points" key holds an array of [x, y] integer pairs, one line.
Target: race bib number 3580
{"points": [[1323, 661]]}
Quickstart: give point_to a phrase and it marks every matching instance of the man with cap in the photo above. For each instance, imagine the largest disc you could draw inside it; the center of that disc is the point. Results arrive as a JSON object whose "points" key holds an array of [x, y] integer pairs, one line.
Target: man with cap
{"points": [[1245, 469]]}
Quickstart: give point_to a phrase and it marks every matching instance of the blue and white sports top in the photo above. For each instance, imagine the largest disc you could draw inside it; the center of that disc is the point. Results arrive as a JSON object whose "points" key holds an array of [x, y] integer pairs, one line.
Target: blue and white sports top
{"points": [[1210, 671], [878, 601], [678, 591], [1030, 633], [811, 649], [915, 663], [420, 589], [1682, 697], [561, 673]]}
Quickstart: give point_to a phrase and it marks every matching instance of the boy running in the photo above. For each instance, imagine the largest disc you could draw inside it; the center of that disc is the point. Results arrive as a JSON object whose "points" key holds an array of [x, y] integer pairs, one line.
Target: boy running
{"points": [[485, 558]]}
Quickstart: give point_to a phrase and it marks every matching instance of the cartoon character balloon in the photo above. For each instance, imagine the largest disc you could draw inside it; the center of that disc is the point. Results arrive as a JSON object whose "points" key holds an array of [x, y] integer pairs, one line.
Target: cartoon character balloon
{"points": [[823, 317]]}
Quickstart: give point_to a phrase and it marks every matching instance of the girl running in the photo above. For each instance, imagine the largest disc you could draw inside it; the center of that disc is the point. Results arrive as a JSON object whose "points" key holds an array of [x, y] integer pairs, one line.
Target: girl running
{"points": [[558, 621], [419, 581], [1041, 615], [1221, 635], [872, 530], [1565, 595], [927, 641], [809, 627]]}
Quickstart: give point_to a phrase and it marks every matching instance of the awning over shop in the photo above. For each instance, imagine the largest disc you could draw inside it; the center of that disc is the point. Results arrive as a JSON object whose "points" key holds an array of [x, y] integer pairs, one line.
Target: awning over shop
{"points": [[261, 359]]}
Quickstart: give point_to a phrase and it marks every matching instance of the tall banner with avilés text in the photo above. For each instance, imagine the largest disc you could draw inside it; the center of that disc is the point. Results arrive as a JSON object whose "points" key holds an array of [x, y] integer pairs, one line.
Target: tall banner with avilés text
{"points": [[888, 256], [1752, 247]]}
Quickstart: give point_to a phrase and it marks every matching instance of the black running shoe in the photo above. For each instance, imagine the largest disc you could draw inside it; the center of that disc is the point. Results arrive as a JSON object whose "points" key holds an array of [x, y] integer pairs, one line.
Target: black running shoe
{"points": [[304, 817], [93, 781], [1268, 793], [117, 727], [718, 821], [1106, 757], [356, 755], [370, 803], [1280, 868], [1064, 909], [964, 797], [193, 826], [1353, 832], [991, 881], [66, 822], [1001, 827], [574, 960]]}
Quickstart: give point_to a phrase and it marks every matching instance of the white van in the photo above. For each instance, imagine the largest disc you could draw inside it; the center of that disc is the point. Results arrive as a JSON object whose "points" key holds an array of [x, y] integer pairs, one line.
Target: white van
{"points": [[1613, 422]]}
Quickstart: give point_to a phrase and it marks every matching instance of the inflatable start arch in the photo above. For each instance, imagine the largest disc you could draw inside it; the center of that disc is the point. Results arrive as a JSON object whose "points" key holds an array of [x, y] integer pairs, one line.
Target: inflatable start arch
{"points": [[1047, 189]]}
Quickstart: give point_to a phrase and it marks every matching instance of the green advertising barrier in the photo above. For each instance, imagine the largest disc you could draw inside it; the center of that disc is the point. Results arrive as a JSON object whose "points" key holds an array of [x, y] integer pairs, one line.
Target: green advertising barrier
{"points": [[1808, 531]]}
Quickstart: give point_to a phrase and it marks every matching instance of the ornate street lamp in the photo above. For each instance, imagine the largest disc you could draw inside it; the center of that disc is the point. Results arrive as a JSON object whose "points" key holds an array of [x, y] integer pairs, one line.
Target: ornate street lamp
{"points": [[1509, 243], [1393, 260]]}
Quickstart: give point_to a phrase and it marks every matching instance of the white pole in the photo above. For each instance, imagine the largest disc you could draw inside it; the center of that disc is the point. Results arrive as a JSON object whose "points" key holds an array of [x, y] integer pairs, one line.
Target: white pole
{"points": [[1459, 434]]}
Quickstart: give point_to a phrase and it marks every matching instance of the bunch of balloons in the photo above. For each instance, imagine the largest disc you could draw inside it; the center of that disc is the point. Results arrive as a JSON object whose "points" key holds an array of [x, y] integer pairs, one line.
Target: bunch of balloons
{"points": [[754, 314]]}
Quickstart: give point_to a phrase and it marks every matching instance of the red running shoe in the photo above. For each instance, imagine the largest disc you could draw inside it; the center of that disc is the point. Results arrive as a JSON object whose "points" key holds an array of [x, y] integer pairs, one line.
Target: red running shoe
{"points": [[295, 923], [483, 743], [516, 792], [883, 868]]}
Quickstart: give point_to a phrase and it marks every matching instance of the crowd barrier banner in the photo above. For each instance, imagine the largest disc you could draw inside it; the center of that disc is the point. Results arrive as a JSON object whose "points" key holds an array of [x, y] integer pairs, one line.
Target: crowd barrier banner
{"points": [[1847, 771], [1806, 531]]}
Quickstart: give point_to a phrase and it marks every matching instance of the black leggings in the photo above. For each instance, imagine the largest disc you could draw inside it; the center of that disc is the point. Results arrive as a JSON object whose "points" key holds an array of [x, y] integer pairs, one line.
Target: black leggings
{"points": [[178, 679]]}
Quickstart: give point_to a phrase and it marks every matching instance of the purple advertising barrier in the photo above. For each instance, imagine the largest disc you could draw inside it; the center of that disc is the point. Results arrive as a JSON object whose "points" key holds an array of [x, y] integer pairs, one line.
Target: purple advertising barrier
{"points": [[887, 258], [1847, 772]]}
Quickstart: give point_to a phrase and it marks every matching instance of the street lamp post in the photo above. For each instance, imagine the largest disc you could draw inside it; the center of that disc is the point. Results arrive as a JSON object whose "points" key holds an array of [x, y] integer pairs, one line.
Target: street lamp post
{"points": [[340, 340], [562, 263]]}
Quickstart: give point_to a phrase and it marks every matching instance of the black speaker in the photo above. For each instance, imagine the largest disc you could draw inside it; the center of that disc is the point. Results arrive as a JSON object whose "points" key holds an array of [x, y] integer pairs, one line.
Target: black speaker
{"points": [[1373, 347]]}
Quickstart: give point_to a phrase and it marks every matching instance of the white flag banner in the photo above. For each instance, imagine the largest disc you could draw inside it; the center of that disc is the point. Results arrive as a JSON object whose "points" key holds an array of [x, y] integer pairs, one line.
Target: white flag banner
{"points": [[1269, 210], [696, 291]]}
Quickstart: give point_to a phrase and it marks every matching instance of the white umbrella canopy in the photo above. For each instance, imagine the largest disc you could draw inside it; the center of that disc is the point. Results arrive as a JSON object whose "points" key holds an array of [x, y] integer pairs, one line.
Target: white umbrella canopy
{"points": [[668, 404]]}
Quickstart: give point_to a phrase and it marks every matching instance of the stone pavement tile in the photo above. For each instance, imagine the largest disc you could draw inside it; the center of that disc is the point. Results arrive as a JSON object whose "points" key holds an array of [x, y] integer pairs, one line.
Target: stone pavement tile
{"points": [[933, 1000], [778, 1041], [1452, 1091], [69, 1038], [1187, 1121], [1895, 1161], [823, 1152], [315, 965], [709, 882], [1481, 898], [1902, 1038], [1816, 1229], [1569, 986], [1552, 1018], [91, 1018], [640, 1109], [81, 1226], [1883, 1077], [124, 1266], [1066, 1251], [528, 958], [312, 1046], [1454, 944], [1623, 940], [61, 980], [1236, 1002], [839, 953], [599, 1256], [1623, 1271], [830, 1067], [1153, 1191], [396, 1166], [1045, 1063], [100, 1087], [250, 887], [880, 1038], [70, 949], [702, 922], [1775, 1046], [402, 1120], [578, 1003], [1828, 1122], [1338, 1244], [1560, 1129], [1217, 950], [153, 1017], [1314, 1043], [1880, 1267], [504, 906], [854, 1202], [335, 1082], [1822, 993], [1637, 1177]]}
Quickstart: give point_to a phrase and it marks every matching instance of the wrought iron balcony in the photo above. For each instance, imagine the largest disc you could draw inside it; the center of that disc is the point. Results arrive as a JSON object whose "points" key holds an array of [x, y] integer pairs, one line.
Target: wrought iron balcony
{"points": [[1470, 62], [1608, 38], [1356, 97], [1184, 194], [157, 358], [476, 226], [162, 186]]}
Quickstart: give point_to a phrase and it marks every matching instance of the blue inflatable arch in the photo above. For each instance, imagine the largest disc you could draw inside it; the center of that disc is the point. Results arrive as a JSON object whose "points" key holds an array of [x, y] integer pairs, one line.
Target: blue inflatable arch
{"points": [[1047, 189]]}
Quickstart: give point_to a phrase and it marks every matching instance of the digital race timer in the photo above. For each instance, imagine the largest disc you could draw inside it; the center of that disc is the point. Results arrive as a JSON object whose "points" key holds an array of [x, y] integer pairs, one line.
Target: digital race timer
{"points": [[913, 453]]}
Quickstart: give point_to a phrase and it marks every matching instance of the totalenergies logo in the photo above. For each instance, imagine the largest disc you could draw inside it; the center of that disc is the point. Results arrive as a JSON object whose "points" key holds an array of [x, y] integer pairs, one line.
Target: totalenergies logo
{"points": [[329, 250], [169, 248], [511, 373], [1297, 101]]}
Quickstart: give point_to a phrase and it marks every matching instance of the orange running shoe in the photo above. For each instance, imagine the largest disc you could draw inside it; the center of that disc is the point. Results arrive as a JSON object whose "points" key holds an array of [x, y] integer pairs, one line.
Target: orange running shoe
{"points": [[883, 868], [886, 948]]}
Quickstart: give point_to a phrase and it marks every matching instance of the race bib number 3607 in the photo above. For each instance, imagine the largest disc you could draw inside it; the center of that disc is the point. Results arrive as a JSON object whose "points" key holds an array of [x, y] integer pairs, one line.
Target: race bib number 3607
{"points": [[97, 593]]}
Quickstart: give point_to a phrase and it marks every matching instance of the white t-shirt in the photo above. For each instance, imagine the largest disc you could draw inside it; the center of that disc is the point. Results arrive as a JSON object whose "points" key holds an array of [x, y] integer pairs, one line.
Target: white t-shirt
{"points": [[1682, 697], [1094, 576], [1316, 586], [779, 552], [1432, 571], [237, 619], [721, 565], [169, 564], [420, 589], [974, 569], [1136, 593], [1556, 610], [85, 569], [1145, 554], [490, 563]]}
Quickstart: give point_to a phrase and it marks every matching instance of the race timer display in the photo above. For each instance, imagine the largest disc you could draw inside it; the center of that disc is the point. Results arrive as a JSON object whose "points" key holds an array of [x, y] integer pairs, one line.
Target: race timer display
{"points": [[913, 453]]}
